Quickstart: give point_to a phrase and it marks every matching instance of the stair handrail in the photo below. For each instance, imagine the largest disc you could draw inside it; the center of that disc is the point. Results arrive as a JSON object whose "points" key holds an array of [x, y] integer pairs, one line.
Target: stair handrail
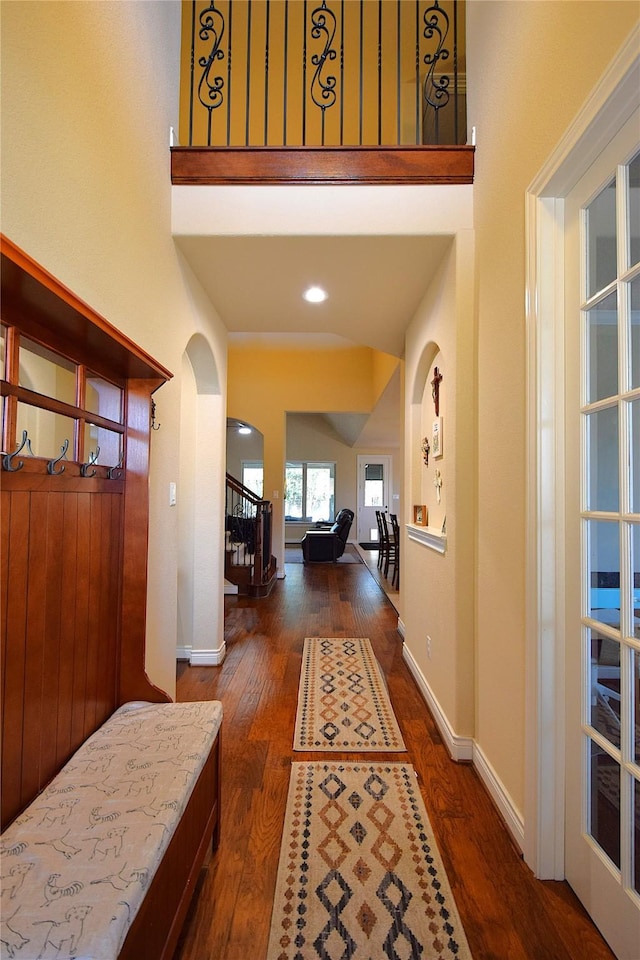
{"points": [[243, 491], [262, 563]]}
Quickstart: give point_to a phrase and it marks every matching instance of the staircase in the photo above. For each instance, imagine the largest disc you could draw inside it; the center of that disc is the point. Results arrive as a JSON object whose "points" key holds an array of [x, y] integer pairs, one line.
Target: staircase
{"points": [[248, 563]]}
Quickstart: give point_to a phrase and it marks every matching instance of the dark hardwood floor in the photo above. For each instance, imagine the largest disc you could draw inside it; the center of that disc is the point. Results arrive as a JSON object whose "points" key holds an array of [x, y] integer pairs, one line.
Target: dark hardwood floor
{"points": [[507, 914]]}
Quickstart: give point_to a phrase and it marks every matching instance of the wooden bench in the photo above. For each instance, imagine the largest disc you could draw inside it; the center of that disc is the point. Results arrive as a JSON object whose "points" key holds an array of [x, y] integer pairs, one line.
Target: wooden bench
{"points": [[103, 863]]}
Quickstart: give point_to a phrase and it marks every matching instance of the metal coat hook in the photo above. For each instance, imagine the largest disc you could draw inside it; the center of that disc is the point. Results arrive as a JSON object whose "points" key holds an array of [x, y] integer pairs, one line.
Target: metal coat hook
{"points": [[7, 460], [93, 458], [51, 466], [112, 471], [154, 426]]}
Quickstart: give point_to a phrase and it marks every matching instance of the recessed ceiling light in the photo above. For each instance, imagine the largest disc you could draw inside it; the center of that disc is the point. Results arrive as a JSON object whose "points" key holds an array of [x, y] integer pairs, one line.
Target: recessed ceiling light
{"points": [[244, 430], [315, 295]]}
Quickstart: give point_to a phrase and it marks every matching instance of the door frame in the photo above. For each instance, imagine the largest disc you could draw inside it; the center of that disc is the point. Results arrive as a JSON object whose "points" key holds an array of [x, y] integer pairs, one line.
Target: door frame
{"points": [[610, 105]]}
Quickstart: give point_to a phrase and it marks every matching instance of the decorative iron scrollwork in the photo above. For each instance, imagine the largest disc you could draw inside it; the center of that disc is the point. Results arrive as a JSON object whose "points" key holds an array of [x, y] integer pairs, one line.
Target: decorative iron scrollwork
{"points": [[7, 460], [436, 92], [210, 88], [323, 91]]}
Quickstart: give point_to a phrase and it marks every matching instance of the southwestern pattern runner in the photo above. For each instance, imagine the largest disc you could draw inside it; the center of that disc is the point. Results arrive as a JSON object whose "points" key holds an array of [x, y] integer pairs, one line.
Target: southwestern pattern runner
{"points": [[360, 875], [343, 703]]}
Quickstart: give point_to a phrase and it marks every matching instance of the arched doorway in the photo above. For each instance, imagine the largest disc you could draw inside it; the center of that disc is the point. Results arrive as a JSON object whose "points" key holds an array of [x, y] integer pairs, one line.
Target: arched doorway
{"points": [[200, 510]]}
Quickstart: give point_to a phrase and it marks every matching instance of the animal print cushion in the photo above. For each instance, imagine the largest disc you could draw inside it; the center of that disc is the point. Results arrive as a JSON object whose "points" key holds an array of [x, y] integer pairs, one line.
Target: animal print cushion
{"points": [[76, 863]]}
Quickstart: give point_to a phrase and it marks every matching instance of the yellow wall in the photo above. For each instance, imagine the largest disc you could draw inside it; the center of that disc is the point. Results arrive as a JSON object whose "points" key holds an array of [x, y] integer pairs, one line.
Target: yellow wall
{"points": [[438, 589], [531, 65], [265, 384], [89, 91], [312, 438]]}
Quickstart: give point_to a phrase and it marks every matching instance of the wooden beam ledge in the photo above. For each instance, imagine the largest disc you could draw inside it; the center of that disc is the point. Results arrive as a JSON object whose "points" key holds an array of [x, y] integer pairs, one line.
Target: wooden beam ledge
{"points": [[314, 166]]}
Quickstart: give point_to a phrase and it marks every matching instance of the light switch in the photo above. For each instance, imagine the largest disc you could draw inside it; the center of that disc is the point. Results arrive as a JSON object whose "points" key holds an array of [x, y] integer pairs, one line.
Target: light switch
{"points": [[172, 494]]}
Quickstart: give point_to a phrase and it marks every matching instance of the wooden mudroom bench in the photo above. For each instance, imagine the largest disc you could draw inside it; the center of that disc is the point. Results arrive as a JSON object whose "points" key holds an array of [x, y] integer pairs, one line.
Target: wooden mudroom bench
{"points": [[102, 865]]}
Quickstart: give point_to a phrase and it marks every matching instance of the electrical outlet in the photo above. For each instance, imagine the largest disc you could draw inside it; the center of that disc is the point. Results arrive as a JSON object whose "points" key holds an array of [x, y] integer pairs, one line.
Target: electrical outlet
{"points": [[429, 647]]}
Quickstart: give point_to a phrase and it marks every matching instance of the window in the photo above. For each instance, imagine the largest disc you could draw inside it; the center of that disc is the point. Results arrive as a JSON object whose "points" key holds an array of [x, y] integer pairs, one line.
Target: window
{"points": [[310, 491], [373, 485], [253, 476]]}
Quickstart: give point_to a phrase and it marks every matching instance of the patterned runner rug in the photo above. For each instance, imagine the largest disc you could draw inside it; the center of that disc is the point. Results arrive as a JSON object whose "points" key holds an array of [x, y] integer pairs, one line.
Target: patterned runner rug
{"points": [[343, 702], [360, 875]]}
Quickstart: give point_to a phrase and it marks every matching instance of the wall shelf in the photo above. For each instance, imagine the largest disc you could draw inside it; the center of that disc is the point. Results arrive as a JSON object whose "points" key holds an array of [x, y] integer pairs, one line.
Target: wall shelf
{"points": [[429, 537]]}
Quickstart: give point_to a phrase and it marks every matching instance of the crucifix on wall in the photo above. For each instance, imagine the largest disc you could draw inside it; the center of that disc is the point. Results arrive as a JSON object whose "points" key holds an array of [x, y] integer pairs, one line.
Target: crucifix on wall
{"points": [[435, 389]]}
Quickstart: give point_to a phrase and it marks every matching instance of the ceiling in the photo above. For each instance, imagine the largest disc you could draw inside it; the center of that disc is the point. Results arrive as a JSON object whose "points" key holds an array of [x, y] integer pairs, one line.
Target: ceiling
{"points": [[374, 284]]}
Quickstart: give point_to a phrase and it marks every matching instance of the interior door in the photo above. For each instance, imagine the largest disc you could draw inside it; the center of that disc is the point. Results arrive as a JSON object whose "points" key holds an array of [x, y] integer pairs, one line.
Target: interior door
{"points": [[602, 410], [374, 490]]}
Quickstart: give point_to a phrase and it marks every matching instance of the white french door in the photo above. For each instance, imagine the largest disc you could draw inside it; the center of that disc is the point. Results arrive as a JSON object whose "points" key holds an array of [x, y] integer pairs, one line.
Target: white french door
{"points": [[374, 490], [602, 625]]}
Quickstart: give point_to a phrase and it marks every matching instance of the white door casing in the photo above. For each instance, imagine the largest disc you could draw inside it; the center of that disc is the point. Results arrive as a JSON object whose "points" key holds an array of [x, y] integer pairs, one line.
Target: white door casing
{"points": [[612, 102]]}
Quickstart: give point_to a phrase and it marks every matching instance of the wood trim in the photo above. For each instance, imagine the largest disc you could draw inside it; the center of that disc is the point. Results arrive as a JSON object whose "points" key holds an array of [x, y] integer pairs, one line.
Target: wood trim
{"points": [[73, 549], [46, 310], [57, 406], [202, 166], [133, 681], [600, 118], [60, 627], [33, 476]]}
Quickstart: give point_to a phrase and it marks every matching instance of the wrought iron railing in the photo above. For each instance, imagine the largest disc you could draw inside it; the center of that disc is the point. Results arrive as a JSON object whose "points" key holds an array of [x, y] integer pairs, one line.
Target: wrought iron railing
{"points": [[323, 73], [248, 559]]}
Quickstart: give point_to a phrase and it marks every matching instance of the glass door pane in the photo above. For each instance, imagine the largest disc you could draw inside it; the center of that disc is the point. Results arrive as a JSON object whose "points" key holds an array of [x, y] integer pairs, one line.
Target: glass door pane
{"points": [[604, 713], [634, 479], [602, 459], [602, 347], [633, 211], [604, 802], [601, 240], [634, 332], [374, 485], [610, 485]]}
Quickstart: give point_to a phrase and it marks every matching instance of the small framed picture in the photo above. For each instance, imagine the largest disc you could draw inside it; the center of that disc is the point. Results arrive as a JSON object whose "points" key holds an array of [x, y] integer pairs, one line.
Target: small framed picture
{"points": [[420, 515], [436, 438]]}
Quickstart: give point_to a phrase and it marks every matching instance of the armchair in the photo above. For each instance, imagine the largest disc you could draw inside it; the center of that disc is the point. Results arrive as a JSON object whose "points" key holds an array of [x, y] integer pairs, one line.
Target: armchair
{"points": [[322, 546]]}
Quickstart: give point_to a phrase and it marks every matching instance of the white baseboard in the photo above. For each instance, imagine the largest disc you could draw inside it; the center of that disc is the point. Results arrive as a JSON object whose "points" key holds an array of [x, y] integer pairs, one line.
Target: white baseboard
{"points": [[466, 748], [510, 814], [202, 658], [401, 627], [460, 748]]}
